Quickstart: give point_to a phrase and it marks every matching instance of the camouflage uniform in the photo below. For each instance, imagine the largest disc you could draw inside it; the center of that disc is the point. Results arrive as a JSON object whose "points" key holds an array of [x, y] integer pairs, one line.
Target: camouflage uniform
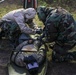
{"points": [[60, 27]]}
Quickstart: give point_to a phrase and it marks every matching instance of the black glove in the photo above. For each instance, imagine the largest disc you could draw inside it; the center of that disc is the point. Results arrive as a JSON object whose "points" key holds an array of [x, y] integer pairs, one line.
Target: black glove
{"points": [[39, 31]]}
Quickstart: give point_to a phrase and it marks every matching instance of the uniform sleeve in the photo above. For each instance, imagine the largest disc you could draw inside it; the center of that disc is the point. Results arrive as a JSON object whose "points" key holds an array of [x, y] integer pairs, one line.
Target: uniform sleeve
{"points": [[51, 32], [20, 21], [32, 24], [51, 27]]}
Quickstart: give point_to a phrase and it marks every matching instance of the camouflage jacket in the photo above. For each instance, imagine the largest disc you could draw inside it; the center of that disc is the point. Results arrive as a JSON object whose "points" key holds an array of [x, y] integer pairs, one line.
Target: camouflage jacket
{"points": [[60, 27]]}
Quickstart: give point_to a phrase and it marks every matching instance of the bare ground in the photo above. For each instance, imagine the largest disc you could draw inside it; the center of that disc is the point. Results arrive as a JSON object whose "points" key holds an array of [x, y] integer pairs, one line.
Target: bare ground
{"points": [[61, 68], [5, 53]]}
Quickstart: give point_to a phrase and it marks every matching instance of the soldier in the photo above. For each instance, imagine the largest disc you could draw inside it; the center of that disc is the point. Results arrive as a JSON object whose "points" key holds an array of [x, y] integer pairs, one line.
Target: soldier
{"points": [[22, 18], [60, 27]]}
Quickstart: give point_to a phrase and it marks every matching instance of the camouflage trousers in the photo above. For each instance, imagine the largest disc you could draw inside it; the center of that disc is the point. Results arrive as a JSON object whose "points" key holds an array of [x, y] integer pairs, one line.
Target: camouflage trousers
{"points": [[61, 53], [62, 49]]}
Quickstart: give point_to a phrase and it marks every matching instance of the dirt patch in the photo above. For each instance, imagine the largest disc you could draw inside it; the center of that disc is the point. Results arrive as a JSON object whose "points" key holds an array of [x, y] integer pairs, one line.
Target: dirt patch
{"points": [[5, 53], [3, 70], [61, 68]]}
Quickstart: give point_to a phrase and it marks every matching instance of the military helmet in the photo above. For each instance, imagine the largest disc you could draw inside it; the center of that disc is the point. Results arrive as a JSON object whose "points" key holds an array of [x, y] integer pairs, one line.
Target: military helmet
{"points": [[41, 11]]}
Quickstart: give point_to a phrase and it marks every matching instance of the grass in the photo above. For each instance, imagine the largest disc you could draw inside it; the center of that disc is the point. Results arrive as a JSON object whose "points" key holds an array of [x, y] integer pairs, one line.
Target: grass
{"points": [[5, 7], [8, 7]]}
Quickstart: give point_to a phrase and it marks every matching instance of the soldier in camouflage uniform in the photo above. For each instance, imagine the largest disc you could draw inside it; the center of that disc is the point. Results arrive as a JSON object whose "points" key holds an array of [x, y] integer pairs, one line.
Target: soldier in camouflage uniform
{"points": [[60, 28], [22, 19]]}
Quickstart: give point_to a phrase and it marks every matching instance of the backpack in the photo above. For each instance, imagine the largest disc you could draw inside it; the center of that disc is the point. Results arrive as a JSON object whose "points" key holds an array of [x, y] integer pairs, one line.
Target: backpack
{"points": [[26, 55]]}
